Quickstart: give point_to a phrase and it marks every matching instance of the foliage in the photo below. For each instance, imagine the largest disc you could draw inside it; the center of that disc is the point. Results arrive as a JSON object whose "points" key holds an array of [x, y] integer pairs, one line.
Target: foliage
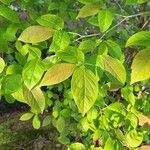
{"points": [[85, 62]]}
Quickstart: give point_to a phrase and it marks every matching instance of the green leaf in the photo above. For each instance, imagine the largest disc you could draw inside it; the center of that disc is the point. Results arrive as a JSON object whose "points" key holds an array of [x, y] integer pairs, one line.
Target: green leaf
{"points": [[46, 121], [35, 99], [84, 86], [34, 53], [117, 107], [61, 40], [11, 83], [127, 94], [32, 73], [30, 35], [76, 146], [9, 14], [105, 19], [26, 116], [60, 124], [64, 139], [2, 65], [114, 49], [10, 34], [88, 10], [141, 38], [141, 66], [109, 145], [18, 95], [132, 118], [115, 68], [36, 122], [88, 45], [72, 55], [52, 21], [57, 74], [133, 138], [14, 69]]}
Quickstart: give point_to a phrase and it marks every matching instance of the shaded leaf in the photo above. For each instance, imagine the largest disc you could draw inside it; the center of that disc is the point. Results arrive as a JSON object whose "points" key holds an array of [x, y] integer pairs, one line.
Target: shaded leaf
{"points": [[72, 55], [11, 83], [52, 21], [9, 14]]}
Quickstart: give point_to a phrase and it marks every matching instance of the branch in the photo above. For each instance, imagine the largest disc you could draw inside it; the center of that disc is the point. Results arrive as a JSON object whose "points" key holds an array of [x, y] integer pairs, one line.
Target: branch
{"points": [[104, 34]]}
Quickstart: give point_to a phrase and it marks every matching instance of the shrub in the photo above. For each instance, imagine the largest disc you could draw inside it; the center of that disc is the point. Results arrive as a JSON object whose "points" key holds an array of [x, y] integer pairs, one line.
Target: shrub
{"points": [[84, 64]]}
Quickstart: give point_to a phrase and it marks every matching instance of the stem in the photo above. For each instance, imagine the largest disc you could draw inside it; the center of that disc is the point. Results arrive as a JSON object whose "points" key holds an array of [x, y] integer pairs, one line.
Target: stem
{"points": [[104, 34]]}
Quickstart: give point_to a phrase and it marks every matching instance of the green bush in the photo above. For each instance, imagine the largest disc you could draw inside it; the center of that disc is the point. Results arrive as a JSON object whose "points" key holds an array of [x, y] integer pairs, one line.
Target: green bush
{"points": [[85, 63]]}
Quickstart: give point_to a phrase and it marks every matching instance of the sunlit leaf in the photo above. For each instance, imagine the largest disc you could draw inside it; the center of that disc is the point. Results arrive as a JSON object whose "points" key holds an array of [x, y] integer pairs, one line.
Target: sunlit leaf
{"points": [[26, 116], [76, 146], [134, 138], [105, 19], [141, 38], [57, 74], [84, 86], [35, 99], [115, 68], [36, 122], [35, 34], [141, 66], [32, 73], [88, 10], [2, 65]]}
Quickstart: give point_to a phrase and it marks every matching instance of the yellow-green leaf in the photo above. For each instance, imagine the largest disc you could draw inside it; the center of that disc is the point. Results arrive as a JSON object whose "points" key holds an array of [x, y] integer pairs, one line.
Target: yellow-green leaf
{"points": [[57, 74], [134, 138], [84, 87], [88, 10], [32, 73], [35, 99], [141, 66], [2, 65], [35, 34], [139, 39], [115, 68], [105, 19]]}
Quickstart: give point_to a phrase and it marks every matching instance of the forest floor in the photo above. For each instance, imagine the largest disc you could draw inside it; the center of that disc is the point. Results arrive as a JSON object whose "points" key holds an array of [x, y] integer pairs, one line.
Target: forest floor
{"points": [[18, 135]]}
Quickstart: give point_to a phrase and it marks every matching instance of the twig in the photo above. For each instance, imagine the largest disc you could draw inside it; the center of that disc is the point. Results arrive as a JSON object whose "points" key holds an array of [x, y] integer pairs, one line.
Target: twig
{"points": [[103, 34], [146, 23]]}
